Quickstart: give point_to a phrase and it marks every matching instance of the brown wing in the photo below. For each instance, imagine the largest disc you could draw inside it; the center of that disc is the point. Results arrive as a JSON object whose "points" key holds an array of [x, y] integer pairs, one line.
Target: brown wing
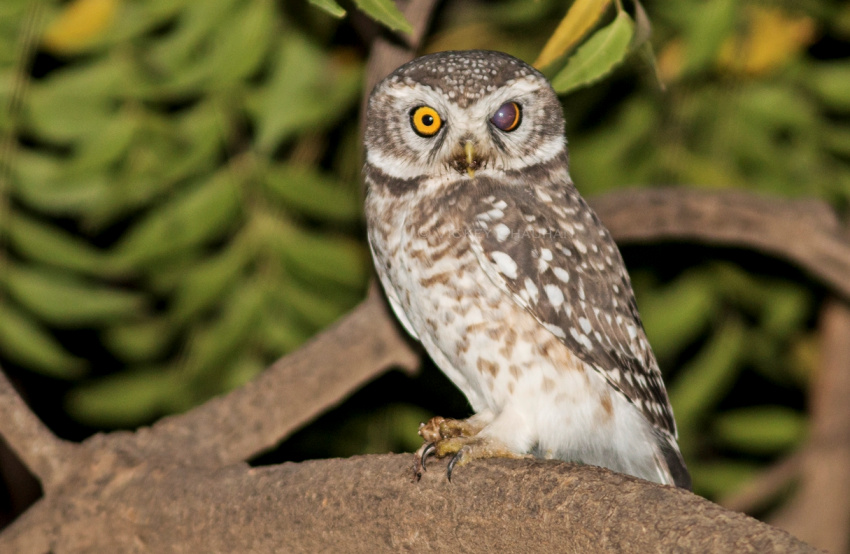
{"points": [[549, 251]]}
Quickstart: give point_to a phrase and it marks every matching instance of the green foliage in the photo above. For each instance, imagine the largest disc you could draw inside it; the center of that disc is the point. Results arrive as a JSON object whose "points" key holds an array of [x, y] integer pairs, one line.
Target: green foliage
{"points": [[386, 12], [598, 56], [605, 49], [761, 430], [185, 143], [329, 6], [26, 342], [582, 16]]}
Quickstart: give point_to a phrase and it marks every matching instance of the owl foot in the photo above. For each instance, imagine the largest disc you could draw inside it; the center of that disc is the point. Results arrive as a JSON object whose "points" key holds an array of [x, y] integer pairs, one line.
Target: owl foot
{"points": [[437, 433], [459, 438], [479, 447]]}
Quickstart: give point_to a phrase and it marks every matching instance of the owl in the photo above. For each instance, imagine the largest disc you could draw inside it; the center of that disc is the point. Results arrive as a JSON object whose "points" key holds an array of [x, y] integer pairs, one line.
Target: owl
{"points": [[492, 260]]}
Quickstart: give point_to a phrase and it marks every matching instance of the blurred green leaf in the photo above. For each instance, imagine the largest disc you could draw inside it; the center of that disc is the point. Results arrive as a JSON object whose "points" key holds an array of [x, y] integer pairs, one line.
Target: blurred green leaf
{"points": [[339, 259], [240, 373], [597, 57], [780, 306], [8, 78], [787, 309], [313, 193], [214, 346], [836, 138], [78, 102], [202, 285], [41, 242], [26, 343], [137, 19], [40, 185], [776, 109], [595, 174], [237, 53], [830, 81], [329, 6], [281, 332], [139, 341], [386, 12], [761, 429], [315, 309], [199, 214], [709, 25], [106, 147], [676, 314], [391, 428], [123, 399], [706, 379], [62, 299], [518, 12], [199, 134], [307, 90], [196, 26], [12, 10]]}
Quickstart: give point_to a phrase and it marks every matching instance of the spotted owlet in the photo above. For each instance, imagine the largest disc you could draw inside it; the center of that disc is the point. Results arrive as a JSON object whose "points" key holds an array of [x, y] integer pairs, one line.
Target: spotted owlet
{"points": [[490, 258]]}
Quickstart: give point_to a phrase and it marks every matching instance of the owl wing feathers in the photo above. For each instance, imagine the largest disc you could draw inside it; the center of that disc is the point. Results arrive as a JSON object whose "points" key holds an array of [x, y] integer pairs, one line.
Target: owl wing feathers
{"points": [[554, 257]]}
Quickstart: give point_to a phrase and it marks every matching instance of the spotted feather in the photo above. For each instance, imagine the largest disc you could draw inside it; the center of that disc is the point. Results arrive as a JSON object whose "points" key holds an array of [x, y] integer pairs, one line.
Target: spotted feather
{"points": [[549, 250]]}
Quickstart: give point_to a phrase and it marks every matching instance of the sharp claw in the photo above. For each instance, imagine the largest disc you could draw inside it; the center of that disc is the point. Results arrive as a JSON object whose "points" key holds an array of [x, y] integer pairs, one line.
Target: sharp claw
{"points": [[420, 458], [429, 450], [455, 459]]}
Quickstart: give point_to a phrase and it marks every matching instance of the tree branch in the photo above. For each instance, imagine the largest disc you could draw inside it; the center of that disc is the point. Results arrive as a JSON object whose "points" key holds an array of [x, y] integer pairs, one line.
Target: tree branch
{"points": [[804, 232], [369, 504], [293, 391], [389, 52], [765, 487], [37, 447], [820, 510]]}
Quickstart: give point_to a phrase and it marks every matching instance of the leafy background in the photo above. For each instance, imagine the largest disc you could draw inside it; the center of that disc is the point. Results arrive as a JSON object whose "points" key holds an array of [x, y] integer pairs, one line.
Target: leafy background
{"points": [[179, 199]]}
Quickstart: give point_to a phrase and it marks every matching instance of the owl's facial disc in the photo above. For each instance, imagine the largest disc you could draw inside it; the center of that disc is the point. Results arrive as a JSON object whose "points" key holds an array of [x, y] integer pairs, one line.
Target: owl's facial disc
{"points": [[462, 115]]}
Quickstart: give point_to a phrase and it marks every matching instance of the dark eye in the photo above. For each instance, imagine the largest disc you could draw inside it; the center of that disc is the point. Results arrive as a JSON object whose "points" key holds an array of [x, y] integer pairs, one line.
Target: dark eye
{"points": [[507, 117], [425, 121]]}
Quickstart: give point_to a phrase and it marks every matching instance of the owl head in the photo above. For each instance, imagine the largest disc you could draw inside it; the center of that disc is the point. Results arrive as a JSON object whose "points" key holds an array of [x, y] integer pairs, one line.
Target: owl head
{"points": [[461, 113]]}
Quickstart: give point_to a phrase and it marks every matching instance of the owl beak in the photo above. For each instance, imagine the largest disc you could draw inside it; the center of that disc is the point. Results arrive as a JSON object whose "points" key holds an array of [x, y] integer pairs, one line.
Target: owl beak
{"points": [[469, 151]]}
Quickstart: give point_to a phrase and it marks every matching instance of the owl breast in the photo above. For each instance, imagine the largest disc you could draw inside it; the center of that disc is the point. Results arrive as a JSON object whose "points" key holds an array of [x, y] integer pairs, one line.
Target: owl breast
{"points": [[510, 368]]}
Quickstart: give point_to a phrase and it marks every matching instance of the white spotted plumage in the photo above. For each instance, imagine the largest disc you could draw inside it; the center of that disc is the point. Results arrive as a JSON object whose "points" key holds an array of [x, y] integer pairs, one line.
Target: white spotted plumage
{"points": [[508, 278]]}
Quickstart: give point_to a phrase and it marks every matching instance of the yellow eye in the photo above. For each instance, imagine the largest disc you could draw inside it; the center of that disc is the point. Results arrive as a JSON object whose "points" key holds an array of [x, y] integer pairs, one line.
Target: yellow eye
{"points": [[425, 121]]}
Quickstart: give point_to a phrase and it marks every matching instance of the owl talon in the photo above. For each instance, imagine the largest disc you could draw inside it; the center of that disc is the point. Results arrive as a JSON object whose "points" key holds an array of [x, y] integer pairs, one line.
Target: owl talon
{"points": [[455, 459], [429, 451], [419, 459]]}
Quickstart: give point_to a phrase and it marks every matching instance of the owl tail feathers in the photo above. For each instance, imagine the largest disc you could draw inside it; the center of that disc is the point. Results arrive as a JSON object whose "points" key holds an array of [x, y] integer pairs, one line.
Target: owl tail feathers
{"points": [[670, 458]]}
